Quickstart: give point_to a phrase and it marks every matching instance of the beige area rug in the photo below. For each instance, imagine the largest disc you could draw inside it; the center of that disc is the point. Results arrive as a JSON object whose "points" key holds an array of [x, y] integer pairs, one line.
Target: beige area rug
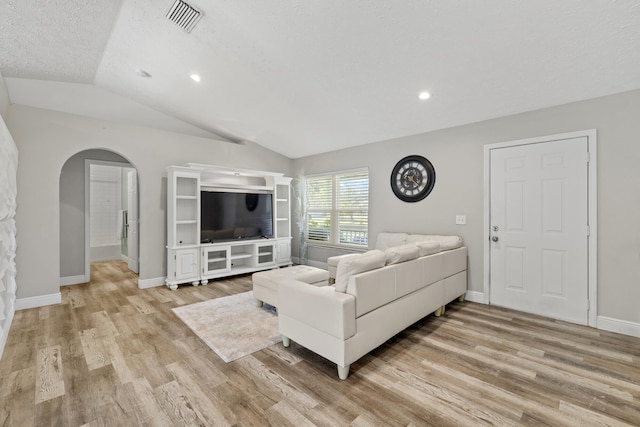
{"points": [[232, 326]]}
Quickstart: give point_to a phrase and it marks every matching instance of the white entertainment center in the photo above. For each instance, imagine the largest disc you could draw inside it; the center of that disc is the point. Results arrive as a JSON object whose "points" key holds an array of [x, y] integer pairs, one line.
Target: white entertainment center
{"points": [[194, 259]]}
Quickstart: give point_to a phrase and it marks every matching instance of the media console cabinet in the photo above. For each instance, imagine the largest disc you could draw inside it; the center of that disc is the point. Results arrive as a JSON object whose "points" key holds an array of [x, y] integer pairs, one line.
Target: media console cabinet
{"points": [[189, 260]]}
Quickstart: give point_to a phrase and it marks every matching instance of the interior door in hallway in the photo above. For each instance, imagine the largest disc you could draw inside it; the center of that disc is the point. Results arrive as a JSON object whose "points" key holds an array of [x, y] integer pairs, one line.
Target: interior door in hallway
{"points": [[539, 228]]}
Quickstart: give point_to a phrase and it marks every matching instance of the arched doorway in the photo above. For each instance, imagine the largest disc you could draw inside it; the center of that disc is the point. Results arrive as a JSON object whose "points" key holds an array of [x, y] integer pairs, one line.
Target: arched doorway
{"points": [[96, 220]]}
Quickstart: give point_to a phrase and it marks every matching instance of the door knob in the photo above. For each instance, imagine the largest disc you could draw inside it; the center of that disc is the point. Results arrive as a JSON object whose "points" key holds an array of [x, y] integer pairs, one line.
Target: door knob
{"points": [[494, 239]]}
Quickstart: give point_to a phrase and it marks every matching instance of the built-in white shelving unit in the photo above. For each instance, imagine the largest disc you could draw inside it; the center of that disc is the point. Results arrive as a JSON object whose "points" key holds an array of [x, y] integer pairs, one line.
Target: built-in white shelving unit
{"points": [[191, 261]]}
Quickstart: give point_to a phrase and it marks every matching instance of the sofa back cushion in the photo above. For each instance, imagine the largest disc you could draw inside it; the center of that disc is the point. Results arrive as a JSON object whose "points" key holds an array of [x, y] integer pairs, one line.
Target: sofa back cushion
{"points": [[446, 242], [357, 264], [387, 240], [402, 253], [427, 247]]}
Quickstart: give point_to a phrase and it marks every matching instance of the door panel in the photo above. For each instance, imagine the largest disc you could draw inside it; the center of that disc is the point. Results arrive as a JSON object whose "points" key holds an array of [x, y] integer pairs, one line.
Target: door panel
{"points": [[132, 231], [538, 217], [187, 264]]}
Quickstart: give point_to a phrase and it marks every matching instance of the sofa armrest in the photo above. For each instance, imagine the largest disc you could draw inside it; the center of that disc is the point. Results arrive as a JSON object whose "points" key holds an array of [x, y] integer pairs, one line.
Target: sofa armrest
{"points": [[321, 308]]}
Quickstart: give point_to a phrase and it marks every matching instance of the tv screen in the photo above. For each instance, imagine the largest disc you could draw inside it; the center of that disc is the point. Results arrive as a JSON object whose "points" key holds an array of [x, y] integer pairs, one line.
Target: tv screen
{"points": [[231, 216]]}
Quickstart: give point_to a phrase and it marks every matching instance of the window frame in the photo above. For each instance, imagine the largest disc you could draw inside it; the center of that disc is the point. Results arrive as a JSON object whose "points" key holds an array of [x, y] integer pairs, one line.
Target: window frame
{"points": [[334, 210]]}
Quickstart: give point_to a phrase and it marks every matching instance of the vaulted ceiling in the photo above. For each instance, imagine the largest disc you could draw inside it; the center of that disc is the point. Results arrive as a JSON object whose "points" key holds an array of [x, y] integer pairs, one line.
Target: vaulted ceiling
{"points": [[304, 77]]}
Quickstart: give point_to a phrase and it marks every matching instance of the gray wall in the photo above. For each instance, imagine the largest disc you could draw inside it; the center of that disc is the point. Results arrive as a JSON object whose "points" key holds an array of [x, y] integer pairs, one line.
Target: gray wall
{"points": [[457, 155], [72, 209], [4, 98], [47, 139], [8, 194]]}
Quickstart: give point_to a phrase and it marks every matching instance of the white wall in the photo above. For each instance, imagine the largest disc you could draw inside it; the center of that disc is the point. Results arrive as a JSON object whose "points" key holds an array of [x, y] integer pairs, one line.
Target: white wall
{"points": [[46, 139], [457, 155], [8, 194]]}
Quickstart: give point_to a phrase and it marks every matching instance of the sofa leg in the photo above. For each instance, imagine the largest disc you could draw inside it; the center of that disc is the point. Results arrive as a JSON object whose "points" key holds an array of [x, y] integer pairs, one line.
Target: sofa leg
{"points": [[286, 341], [343, 372], [439, 311], [259, 303], [461, 298]]}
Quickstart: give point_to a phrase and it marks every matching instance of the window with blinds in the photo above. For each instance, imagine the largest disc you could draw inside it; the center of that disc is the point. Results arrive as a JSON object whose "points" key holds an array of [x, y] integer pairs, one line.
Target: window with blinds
{"points": [[338, 208]]}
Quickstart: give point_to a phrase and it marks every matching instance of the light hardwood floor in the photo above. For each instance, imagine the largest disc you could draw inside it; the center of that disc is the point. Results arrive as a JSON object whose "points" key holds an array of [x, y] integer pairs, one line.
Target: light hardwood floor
{"points": [[114, 355]]}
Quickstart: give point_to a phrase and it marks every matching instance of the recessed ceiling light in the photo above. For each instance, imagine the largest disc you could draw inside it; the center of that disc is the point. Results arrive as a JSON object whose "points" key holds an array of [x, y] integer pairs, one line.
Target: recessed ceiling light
{"points": [[424, 95], [195, 78]]}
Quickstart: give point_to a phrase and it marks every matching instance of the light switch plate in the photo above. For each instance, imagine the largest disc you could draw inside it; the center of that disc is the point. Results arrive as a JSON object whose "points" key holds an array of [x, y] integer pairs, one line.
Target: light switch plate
{"points": [[461, 219]]}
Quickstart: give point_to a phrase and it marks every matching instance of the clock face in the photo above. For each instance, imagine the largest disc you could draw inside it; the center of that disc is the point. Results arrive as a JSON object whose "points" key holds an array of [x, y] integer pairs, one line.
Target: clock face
{"points": [[412, 178]]}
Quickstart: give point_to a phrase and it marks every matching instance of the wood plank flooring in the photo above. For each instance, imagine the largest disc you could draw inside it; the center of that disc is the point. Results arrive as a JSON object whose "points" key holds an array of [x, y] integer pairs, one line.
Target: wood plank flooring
{"points": [[114, 355]]}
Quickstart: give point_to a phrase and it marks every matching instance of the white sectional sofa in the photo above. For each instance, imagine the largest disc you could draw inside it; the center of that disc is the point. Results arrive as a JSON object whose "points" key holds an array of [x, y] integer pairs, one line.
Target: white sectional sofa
{"points": [[376, 295], [389, 240]]}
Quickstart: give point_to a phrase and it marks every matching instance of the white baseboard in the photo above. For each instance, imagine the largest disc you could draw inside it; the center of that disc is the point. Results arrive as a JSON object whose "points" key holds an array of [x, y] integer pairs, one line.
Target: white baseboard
{"points": [[5, 331], [475, 296], [620, 326], [39, 301], [73, 280], [605, 323], [151, 283]]}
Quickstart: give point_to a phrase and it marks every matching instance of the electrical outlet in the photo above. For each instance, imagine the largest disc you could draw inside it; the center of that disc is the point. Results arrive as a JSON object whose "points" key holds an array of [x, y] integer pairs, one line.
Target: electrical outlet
{"points": [[461, 219]]}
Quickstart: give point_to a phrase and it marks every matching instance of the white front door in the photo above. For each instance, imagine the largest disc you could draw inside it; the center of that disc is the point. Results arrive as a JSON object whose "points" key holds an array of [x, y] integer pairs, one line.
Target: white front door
{"points": [[539, 228], [132, 217]]}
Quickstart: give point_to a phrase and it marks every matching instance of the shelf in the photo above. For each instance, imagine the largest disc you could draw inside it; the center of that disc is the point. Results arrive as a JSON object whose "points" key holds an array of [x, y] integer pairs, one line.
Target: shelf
{"points": [[265, 253], [282, 200], [183, 246], [205, 184], [216, 259], [224, 170], [181, 197], [187, 221], [240, 256]]}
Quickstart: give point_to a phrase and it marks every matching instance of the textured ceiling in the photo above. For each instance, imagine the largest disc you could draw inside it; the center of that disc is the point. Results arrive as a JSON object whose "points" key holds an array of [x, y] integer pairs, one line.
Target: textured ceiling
{"points": [[307, 77], [54, 39]]}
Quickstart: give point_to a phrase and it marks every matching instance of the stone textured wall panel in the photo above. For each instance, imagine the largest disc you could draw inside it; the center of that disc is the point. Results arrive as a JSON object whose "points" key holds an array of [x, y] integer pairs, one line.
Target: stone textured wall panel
{"points": [[8, 173], [8, 197]]}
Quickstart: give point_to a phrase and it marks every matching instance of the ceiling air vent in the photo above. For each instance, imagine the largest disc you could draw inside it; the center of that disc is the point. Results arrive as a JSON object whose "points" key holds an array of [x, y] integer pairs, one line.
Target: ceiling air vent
{"points": [[184, 15]]}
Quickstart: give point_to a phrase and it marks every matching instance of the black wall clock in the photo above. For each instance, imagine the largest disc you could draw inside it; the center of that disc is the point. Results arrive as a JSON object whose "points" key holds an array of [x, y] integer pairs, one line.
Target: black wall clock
{"points": [[413, 178]]}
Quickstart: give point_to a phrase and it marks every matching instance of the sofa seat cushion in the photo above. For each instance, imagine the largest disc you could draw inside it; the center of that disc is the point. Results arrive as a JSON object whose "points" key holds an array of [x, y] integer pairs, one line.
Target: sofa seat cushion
{"points": [[266, 284], [360, 263], [271, 278], [401, 253]]}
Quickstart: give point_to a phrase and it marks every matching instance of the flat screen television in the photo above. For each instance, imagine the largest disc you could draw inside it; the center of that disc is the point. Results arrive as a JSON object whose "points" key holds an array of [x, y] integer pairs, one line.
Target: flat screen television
{"points": [[235, 215]]}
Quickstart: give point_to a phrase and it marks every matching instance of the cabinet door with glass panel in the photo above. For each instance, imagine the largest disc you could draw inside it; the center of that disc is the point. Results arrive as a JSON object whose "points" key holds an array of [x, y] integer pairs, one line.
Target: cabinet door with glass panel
{"points": [[183, 208]]}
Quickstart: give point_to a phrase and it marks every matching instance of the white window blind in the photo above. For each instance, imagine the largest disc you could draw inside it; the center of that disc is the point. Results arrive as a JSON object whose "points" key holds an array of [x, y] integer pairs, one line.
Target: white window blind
{"points": [[338, 208], [353, 207]]}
